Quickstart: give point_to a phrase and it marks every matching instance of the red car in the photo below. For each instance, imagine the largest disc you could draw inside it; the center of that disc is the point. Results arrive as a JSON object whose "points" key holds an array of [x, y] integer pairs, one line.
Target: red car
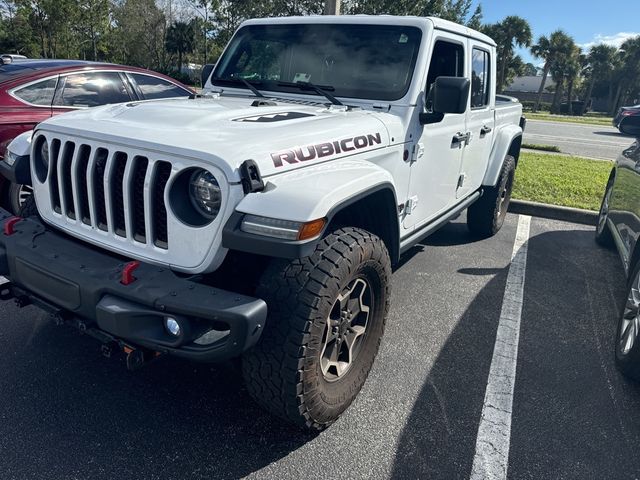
{"points": [[33, 90]]}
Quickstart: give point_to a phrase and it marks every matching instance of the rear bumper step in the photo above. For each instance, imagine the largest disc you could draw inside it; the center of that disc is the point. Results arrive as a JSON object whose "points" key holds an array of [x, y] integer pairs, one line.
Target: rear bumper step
{"points": [[75, 281]]}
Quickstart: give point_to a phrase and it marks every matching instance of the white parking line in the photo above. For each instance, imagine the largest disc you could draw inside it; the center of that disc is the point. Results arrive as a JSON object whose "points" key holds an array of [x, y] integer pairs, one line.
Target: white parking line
{"points": [[494, 433]]}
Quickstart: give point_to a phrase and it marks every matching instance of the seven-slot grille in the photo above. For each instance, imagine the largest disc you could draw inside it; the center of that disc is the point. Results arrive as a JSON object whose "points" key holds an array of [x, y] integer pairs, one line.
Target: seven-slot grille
{"points": [[110, 190]]}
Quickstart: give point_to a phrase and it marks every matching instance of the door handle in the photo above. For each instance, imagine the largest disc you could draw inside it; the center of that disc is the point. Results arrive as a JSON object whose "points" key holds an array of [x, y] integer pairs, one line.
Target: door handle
{"points": [[485, 129], [460, 138]]}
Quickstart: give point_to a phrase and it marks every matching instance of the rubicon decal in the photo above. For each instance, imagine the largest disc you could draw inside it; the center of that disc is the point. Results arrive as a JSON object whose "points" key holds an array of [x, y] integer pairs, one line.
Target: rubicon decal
{"points": [[325, 150]]}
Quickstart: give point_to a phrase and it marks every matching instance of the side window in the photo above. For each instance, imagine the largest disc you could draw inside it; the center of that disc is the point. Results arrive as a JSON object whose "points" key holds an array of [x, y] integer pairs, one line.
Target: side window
{"points": [[479, 78], [92, 89], [447, 60], [40, 93], [153, 87]]}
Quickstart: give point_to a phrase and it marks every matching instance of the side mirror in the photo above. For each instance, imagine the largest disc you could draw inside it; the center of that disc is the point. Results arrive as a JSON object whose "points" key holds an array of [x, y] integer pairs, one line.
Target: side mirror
{"points": [[206, 73], [631, 126], [449, 95]]}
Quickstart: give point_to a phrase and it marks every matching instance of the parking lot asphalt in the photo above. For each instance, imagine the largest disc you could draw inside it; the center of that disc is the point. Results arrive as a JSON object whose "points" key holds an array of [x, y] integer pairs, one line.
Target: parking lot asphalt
{"points": [[595, 141], [67, 412]]}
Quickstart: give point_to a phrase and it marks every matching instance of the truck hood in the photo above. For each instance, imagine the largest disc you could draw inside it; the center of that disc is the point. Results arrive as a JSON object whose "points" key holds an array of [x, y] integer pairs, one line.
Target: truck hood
{"points": [[278, 135]]}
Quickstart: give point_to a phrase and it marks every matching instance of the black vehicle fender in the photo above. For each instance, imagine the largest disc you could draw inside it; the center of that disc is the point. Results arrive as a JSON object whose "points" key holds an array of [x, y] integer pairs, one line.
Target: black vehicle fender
{"points": [[374, 210]]}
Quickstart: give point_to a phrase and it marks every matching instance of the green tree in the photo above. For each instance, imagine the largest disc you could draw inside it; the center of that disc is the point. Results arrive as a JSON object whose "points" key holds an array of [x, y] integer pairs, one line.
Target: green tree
{"points": [[627, 72], [90, 25], [137, 34], [180, 39], [600, 64], [550, 49], [511, 32]]}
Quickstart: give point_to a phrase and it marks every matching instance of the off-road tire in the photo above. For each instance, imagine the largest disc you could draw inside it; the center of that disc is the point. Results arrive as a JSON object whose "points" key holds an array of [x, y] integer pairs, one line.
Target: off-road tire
{"points": [[486, 216], [629, 362], [283, 372], [29, 208], [604, 237]]}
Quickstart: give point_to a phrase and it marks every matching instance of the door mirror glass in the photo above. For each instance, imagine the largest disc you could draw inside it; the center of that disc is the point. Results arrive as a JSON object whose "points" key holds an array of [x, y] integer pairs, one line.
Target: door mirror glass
{"points": [[630, 126], [206, 73], [450, 94]]}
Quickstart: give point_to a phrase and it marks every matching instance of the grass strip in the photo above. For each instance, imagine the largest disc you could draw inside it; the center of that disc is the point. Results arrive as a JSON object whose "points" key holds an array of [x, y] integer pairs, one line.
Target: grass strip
{"points": [[561, 180], [544, 148], [569, 119]]}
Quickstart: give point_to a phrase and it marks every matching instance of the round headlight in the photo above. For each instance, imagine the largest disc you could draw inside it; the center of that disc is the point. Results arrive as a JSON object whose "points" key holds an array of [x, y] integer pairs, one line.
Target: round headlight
{"points": [[44, 154], [205, 194]]}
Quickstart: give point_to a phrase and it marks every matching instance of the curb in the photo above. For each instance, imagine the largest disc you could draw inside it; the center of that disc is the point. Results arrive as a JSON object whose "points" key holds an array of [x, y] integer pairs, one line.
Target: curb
{"points": [[554, 212]]}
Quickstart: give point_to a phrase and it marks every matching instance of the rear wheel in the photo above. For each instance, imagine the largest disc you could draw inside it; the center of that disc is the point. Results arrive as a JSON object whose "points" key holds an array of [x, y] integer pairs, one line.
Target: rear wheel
{"points": [[603, 233], [628, 333], [326, 318], [486, 216]]}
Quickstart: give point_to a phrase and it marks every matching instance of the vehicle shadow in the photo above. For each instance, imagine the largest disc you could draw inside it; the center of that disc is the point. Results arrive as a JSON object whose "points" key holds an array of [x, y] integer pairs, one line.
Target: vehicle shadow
{"points": [[614, 134], [73, 410], [438, 440]]}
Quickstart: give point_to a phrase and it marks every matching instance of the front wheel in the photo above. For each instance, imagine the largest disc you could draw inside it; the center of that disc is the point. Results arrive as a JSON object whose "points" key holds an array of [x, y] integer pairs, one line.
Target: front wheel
{"points": [[326, 319], [486, 216], [18, 194], [628, 333]]}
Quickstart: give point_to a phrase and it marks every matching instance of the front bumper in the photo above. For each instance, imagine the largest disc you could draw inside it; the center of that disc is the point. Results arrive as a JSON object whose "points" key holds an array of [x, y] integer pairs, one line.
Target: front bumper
{"points": [[77, 282]]}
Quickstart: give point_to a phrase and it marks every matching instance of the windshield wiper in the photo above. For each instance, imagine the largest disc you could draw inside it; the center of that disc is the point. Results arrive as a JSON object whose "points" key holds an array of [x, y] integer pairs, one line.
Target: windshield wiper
{"points": [[321, 89], [255, 91], [245, 82]]}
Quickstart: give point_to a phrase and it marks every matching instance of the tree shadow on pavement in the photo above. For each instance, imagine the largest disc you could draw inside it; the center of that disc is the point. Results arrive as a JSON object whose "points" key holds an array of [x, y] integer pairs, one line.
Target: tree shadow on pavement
{"points": [[439, 438]]}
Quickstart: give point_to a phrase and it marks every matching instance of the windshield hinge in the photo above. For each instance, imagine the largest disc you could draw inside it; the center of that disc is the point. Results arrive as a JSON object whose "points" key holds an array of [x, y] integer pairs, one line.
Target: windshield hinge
{"points": [[382, 106], [250, 177]]}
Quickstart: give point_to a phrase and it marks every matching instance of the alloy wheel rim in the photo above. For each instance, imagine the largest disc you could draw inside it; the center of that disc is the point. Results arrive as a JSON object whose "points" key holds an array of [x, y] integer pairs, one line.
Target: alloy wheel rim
{"points": [[630, 324], [604, 211], [345, 330], [25, 192], [505, 197]]}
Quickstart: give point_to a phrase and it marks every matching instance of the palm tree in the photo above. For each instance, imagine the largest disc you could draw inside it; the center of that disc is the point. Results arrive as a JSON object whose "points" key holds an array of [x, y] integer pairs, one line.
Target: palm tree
{"points": [[575, 64], [600, 64], [550, 50], [629, 70], [511, 32], [180, 39]]}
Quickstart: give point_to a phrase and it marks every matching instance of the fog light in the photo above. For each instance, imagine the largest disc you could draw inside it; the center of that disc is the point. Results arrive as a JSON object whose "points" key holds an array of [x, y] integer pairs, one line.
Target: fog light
{"points": [[172, 326]]}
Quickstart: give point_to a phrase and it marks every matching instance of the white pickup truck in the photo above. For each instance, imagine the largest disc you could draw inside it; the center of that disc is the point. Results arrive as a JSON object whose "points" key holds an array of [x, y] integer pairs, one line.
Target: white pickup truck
{"points": [[262, 218]]}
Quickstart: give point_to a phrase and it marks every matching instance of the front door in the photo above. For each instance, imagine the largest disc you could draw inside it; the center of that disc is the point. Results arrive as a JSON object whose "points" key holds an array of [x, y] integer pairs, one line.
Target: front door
{"points": [[437, 155]]}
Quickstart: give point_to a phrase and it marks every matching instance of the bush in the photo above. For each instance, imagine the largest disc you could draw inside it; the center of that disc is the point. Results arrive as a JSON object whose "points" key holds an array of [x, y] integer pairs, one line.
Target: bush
{"points": [[527, 106]]}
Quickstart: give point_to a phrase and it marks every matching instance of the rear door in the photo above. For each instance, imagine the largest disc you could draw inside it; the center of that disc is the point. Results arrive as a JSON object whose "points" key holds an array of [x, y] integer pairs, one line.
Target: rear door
{"points": [[480, 120]]}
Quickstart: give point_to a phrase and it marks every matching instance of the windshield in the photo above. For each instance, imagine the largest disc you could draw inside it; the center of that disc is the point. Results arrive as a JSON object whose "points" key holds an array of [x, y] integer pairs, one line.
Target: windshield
{"points": [[373, 62]]}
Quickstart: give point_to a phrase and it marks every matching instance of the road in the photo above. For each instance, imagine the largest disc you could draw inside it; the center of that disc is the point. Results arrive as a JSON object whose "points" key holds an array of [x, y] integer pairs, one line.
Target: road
{"points": [[67, 412], [586, 140]]}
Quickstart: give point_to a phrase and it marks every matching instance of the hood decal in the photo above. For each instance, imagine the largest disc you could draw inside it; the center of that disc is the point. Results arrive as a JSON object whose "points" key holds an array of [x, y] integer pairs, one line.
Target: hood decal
{"points": [[276, 117], [325, 150]]}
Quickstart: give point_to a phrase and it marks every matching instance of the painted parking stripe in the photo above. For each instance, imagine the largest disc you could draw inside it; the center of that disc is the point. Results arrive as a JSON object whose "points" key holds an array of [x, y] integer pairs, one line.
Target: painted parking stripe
{"points": [[494, 432]]}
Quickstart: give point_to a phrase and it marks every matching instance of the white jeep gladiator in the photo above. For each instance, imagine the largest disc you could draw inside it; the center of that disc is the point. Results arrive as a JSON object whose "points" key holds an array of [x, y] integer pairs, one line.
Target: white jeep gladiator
{"points": [[261, 219]]}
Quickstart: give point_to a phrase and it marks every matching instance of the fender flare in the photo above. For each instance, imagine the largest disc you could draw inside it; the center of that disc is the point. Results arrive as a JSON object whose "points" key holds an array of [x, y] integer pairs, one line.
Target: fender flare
{"points": [[308, 194], [507, 139]]}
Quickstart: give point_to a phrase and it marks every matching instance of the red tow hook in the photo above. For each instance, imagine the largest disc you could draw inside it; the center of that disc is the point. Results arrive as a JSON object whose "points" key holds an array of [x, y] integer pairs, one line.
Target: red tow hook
{"points": [[127, 273], [10, 225]]}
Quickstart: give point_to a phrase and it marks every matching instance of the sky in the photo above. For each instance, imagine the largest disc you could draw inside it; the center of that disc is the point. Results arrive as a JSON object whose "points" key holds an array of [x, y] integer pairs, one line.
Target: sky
{"points": [[587, 21]]}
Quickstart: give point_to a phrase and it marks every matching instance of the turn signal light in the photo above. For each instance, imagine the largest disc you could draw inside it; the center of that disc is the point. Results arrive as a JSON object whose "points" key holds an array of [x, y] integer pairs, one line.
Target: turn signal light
{"points": [[311, 229]]}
